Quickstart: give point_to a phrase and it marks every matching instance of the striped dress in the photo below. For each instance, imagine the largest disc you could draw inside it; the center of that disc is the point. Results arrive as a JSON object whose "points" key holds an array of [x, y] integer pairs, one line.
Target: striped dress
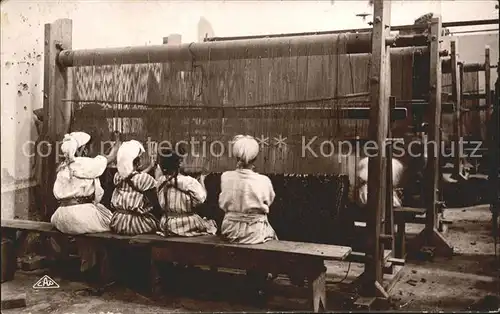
{"points": [[132, 212], [179, 202]]}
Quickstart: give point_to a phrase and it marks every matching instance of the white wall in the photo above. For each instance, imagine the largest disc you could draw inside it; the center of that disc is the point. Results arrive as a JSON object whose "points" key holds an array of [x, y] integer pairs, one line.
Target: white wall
{"points": [[123, 23]]}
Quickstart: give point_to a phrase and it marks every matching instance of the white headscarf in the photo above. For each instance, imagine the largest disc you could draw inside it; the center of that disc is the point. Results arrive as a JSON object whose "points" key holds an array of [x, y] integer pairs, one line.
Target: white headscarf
{"points": [[245, 148], [397, 170], [127, 152], [363, 197], [72, 142]]}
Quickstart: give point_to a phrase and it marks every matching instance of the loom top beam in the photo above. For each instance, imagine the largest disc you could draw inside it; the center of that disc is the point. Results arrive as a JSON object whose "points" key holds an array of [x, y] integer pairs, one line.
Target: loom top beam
{"points": [[333, 44], [468, 67], [354, 30]]}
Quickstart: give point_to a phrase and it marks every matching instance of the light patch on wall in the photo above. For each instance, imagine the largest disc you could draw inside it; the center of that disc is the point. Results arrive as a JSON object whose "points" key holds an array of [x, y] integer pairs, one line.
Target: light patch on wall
{"points": [[5, 19]]}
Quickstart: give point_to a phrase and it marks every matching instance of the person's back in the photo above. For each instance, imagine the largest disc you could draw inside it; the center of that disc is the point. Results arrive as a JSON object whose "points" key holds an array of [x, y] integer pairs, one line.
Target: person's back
{"points": [[179, 195], [245, 191], [78, 191], [134, 199], [246, 197]]}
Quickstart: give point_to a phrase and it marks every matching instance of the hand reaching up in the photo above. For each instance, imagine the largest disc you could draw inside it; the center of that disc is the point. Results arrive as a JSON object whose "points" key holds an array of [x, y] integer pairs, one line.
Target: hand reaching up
{"points": [[202, 178], [111, 156]]}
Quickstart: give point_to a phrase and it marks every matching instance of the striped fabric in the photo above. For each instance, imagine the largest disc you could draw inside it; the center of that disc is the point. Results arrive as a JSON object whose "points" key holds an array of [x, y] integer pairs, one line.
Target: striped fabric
{"points": [[131, 210], [179, 202]]}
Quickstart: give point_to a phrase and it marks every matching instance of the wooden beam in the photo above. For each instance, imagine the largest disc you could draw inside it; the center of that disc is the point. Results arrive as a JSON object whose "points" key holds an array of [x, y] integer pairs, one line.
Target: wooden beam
{"points": [[57, 114], [216, 51], [12, 300], [461, 95], [393, 41], [456, 93], [434, 120], [219, 113], [389, 191], [468, 67], [430, 237], [379, 125], [322, 251], [358, 30], [9, 264], [487, 76]]}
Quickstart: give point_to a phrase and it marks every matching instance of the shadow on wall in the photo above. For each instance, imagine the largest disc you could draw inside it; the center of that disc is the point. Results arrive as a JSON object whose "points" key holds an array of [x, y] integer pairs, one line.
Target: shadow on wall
{"points": [[204, 29]]}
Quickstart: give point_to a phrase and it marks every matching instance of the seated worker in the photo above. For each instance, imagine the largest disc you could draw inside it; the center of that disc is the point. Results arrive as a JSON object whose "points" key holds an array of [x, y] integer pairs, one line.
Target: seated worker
{"points": [[179, 195], [78, 190], [107, 179], [246, 197], [134, 201], [397, 173]]}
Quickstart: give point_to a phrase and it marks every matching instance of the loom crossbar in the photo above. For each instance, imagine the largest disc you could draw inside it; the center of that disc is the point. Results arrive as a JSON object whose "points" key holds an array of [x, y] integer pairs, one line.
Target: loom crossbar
{"points": [[413, 27], [468, 67], [273, 113], [215, 51]]}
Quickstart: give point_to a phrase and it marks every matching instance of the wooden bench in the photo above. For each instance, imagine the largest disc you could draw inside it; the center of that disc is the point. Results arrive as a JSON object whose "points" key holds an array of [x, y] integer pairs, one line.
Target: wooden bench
{"points": [[278, 257]]}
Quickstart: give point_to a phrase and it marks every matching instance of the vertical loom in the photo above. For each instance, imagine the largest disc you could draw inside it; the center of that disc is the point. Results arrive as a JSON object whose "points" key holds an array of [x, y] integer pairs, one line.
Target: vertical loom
{"points": [[146, 108]]}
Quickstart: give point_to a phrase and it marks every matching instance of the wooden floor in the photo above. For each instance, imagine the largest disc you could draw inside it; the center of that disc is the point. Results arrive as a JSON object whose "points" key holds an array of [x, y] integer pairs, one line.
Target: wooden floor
{"points": [[341, 286]]}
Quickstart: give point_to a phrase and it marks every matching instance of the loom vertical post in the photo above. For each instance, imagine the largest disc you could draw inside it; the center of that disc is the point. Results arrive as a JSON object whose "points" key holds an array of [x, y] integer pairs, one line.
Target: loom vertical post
{"points": [[430, 236], [456, 98], [487, 77], [389, 193], [378, 128], [494, 166], [57, 114], [461, 95]]}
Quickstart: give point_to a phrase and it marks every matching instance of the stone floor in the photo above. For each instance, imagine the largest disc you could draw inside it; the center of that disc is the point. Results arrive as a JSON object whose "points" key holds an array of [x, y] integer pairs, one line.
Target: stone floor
{"points": [[468, 281]]}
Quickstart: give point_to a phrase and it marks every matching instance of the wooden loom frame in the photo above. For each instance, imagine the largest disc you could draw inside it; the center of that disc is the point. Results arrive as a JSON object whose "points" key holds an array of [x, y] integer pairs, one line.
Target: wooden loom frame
{"points": [[59, 55], [430, 240], [457, 69]]}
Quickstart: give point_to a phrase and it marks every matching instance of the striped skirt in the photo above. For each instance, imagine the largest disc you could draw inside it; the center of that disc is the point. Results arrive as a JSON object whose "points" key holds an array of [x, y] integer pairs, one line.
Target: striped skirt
{"points": [[132, 223], [187, 225]]}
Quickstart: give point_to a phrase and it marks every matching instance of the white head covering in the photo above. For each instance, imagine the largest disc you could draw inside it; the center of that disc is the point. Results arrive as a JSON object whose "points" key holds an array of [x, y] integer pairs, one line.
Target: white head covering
{"points": [[397, 170], [362, 198], [245, 148], [127, 152], [72, 142]]}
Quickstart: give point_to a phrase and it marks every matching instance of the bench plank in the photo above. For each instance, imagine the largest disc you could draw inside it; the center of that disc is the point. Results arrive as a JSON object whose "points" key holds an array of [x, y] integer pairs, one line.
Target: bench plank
{"points": [[410, 210], [324, 251]]}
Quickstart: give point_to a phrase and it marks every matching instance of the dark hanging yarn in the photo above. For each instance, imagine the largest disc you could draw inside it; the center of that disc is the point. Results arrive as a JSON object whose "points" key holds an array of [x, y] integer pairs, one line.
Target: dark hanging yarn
{"points": [[210, 208], [107, 184], [307, 208]]}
